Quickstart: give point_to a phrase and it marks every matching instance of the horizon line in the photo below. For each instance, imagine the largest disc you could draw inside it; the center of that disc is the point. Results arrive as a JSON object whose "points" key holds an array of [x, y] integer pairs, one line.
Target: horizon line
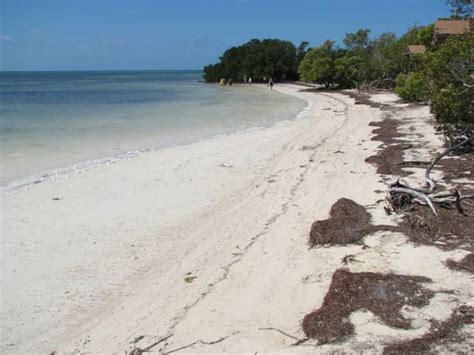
{"points": [[91, 70]]}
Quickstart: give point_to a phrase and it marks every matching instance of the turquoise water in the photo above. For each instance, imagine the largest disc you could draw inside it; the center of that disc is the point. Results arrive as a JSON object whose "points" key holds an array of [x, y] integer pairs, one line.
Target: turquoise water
{"points": [[52, 122]]}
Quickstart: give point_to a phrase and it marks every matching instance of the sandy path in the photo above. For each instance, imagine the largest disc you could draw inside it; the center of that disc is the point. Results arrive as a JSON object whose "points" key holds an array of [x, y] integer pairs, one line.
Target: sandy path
{"points": [[105, 265]]}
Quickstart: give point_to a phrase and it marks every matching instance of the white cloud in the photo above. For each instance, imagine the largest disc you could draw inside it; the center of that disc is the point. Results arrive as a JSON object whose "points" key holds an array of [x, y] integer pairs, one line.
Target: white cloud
{"points": [[6, 38]]}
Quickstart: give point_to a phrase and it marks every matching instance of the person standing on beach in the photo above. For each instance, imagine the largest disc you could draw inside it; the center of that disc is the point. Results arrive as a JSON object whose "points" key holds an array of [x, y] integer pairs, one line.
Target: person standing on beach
{"points": [[230, 82], [270, 83], [250, 80]]}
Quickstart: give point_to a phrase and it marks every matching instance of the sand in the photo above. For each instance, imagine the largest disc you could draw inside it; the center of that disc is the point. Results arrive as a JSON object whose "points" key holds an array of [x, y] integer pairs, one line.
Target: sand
{"points": [[207, 243]]}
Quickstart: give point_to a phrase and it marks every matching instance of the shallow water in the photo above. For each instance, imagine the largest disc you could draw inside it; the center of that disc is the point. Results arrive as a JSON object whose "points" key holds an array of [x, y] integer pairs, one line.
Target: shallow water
{"points": [[57, 121]]}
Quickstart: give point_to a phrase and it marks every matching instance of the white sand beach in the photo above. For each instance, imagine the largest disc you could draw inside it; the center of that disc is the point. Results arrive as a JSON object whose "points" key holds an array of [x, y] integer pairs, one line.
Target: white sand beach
{"points": [[207, 243]]}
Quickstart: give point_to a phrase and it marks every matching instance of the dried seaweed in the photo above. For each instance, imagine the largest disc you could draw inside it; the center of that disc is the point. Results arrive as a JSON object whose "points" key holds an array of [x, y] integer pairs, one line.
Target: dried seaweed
{"points": [[383, 295]]}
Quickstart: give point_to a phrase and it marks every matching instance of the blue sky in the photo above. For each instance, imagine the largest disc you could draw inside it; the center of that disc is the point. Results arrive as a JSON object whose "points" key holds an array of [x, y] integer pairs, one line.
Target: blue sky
{"points": [[182, 34]]}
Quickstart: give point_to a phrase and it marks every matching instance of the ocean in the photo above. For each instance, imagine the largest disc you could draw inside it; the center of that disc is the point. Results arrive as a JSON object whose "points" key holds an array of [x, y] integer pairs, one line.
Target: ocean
{"points": [[54, 123]]}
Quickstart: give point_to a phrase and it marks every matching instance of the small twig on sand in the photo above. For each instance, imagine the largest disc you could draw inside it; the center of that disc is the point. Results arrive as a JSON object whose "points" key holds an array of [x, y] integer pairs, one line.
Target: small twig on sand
{"points": [[200, 342], [282, 332], [298, 341]]}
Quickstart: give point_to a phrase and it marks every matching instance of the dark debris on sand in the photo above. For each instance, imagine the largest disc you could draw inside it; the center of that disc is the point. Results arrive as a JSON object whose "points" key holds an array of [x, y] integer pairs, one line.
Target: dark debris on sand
{"points": [[383, 295], [446, 332], [348, 223], [448, 230], [387, 159], [465, 264], [386, 294], [457, 167]]}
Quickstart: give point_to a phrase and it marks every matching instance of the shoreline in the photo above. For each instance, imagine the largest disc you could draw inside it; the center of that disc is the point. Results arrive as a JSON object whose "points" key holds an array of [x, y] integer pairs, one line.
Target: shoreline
{"points": [[208, 244], [25, 182]]}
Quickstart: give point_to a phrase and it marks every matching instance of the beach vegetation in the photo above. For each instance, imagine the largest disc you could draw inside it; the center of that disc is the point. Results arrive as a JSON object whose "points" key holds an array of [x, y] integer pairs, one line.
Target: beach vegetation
{"points": [[449, 73], [303, 48], [318, 65], [419, 35], [412, 87], [258, 59]]}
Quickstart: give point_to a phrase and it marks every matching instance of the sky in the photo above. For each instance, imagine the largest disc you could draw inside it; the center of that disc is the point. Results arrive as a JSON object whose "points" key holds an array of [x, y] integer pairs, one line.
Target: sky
{"points": [[182, 34]]}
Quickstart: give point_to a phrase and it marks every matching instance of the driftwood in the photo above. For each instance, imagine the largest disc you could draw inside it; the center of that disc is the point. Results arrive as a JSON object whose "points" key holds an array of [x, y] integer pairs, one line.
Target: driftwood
{"points": [[400, 195]]}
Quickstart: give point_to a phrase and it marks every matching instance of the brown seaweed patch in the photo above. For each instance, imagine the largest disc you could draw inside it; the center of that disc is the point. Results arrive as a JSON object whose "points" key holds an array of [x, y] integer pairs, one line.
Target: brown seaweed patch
{"points": [[363, 98], [439, 333], [461, 167], [465, 264], [448, 230], [348, 223], [387, 159], [383, 295], [387, 130]]}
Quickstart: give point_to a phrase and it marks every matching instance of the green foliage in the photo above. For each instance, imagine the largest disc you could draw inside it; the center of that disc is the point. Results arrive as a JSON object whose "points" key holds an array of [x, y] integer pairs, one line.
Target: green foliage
{"points": [[318, 65], [450, 76], [358, 40], [425, 36], [388, 59], [412, 87], [364, 62], [419, 35], [302, 50], [345, 72], [257, 59], [344, 68], [357, 58]]}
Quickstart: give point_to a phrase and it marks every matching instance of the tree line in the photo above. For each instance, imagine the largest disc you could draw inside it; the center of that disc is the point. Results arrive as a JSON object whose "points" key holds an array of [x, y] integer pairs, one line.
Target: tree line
{"points": [[443, 75], [258, 59]]}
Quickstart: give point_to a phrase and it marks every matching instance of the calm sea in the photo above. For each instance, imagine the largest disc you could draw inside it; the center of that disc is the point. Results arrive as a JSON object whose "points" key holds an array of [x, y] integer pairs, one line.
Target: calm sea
{"points": [[57, 122]]}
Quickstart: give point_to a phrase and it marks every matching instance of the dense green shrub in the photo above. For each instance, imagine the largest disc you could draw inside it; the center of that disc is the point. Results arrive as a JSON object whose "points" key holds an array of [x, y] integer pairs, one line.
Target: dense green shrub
{"points": [[318, 65], [412, 87], [363, 62], [450, 77]]}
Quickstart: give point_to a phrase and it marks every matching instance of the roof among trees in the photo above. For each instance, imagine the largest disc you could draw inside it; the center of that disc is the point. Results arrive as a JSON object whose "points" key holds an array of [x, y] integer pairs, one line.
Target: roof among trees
{"points": [[416, 48], [452, 27]]}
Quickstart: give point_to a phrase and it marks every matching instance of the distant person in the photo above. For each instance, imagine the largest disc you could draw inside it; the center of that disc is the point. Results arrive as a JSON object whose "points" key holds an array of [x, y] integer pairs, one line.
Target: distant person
{"points": [[270, 83], [230, 82], [222, 82], [265, 79], [245, 78], [250, 80]]}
